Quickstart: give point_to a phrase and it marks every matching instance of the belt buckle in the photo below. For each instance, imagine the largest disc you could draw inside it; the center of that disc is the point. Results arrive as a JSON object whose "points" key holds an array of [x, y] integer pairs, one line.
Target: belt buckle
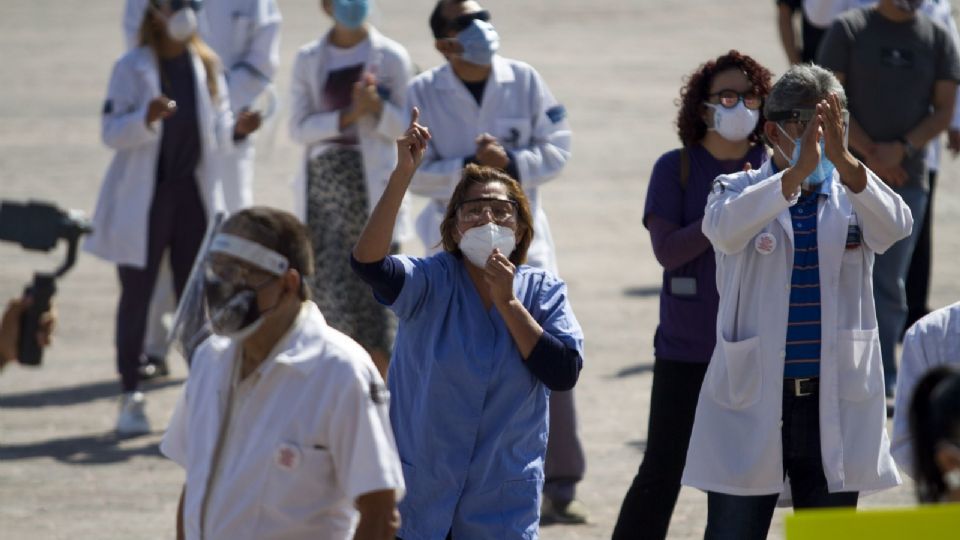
{"points": [[796, 388]]}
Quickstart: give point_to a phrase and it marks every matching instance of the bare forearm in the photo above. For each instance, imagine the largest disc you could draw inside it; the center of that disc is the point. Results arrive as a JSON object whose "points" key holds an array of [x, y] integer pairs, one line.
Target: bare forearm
{"points": [[524, 330], [375, 240], [788, 36], [930, 127], [379, 518], [181, 535], [859, 140]]}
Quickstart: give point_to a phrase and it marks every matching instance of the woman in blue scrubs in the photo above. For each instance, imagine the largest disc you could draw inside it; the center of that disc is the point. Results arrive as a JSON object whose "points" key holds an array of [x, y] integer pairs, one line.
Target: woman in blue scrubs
{"points": [[482, 341]]}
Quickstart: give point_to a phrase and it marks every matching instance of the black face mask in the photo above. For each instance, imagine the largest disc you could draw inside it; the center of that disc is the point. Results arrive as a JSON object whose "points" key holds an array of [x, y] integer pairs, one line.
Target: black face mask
{"points": [[232, 309]]}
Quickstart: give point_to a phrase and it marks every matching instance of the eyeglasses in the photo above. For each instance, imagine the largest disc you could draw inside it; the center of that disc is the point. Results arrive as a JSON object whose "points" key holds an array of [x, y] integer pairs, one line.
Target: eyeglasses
{"points": [[461, 22], [235, 275], [730, 98], [501, 210]]}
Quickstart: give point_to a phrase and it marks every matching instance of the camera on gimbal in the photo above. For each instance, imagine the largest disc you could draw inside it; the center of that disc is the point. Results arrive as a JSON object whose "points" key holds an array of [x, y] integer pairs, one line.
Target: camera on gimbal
{"points": [[38, 226]]}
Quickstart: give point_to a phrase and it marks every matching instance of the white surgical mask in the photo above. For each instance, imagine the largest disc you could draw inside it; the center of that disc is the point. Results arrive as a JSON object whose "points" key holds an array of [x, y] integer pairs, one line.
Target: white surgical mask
{"points": [[734, 124], [478, 243], [182, 25]]}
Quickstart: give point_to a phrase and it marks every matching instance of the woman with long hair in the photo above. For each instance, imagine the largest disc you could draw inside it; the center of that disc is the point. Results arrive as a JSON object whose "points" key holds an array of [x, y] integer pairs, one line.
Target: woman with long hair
{"points": [[719, 125], [348, 106], [166, 116]]}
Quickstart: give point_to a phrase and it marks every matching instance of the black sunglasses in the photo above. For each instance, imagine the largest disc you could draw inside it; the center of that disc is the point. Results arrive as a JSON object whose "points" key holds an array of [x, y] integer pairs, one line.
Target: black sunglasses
{"points": [[461, 22]]}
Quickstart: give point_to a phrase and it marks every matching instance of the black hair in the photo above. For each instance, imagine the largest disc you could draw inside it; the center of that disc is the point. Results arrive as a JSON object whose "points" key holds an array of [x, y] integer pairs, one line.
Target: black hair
{"points": [[934, 418], [438, 24]]}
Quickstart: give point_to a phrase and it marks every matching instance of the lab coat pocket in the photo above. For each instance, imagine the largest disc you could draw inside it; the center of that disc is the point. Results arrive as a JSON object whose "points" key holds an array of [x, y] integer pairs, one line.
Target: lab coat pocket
{"points": [[301, 477], [513, 133], [859, 364], [519, 508], [736, 377]]}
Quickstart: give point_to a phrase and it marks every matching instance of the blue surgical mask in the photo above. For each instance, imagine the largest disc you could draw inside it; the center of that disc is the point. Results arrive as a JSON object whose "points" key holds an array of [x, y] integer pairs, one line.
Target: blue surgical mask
{"points": [[824, 171], [351, 13], [480, 41]]}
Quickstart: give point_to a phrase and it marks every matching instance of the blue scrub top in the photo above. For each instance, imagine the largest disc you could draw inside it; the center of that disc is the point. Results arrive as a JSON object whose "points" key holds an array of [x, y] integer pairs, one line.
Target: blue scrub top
{"points": [[470, 419]]}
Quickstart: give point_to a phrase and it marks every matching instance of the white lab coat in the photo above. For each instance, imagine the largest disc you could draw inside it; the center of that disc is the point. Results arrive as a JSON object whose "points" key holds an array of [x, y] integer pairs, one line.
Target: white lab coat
{"points": [[245, 34], [310, 125], [121, 218], [519, 110], [285, 453], [932, 341], [736, 445]]}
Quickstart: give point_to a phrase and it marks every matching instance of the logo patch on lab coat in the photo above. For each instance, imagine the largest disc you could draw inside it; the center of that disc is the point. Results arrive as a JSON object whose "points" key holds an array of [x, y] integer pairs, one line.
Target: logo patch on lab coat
{"points": [[765, 243], [287, 457], [557, 113]]}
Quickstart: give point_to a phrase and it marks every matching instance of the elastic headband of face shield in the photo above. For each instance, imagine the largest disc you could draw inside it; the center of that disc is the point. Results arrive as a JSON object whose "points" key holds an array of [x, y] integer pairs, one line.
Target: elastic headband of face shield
{"points": [[250, 252], [801, 115], [177, 5]]}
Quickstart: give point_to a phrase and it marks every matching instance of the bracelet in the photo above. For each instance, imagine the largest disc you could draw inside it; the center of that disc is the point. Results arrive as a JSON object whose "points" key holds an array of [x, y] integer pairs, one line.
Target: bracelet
{"points": [[908, 148]]}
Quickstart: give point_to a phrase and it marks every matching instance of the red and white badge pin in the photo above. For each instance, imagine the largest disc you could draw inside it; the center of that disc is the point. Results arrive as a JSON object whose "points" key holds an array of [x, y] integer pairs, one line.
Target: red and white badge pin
{"points": [[287, 457], [765, 243]]}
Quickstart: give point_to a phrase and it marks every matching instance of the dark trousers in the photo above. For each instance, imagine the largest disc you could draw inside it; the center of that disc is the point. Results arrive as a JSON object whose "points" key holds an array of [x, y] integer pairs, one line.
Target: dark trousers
{"points": [[648, 504], [918, 277], [736, 517], [177, 222]]}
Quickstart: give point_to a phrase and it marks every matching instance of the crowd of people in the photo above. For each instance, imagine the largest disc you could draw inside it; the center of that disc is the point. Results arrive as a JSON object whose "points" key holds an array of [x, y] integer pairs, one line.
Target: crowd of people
{"points": [[346, 390]]}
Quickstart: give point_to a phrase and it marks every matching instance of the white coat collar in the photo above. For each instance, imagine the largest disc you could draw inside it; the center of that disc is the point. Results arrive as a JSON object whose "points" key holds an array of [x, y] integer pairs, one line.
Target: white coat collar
{"points": [[502, 73], [377, 41], [302, 343]]}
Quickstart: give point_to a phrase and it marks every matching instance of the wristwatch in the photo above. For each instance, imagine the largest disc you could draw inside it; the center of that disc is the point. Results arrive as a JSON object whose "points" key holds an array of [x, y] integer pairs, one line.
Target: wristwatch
{"points": [[908, 149]]}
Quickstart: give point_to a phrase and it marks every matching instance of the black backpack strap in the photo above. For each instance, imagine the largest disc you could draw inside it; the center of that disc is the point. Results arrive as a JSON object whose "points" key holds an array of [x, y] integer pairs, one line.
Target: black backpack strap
{"points": [[684, 168]]}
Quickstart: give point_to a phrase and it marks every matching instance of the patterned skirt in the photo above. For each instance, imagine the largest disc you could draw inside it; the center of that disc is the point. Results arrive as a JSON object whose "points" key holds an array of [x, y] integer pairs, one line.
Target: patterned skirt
{"points": [[337, 210]]}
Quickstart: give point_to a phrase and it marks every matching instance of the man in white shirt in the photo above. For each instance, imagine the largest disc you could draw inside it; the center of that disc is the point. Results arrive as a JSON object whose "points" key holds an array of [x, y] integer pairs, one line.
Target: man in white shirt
{"points": [[282, 427]]}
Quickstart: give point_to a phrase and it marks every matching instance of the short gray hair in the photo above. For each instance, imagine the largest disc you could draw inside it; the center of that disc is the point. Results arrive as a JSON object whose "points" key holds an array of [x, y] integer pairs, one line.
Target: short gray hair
{"points": [[802, 87]]}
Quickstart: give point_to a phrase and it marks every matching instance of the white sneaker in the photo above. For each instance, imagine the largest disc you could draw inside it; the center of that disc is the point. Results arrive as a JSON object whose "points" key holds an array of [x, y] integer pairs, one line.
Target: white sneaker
{"points": [[132, 419]]}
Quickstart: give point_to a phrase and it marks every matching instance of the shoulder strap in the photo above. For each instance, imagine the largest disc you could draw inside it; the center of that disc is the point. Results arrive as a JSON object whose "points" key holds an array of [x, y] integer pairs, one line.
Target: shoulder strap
{"points": [[684, 168]]}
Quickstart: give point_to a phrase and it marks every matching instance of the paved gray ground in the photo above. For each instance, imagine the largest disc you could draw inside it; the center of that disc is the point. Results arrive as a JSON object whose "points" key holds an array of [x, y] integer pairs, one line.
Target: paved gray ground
{"points": [[617, 64]]}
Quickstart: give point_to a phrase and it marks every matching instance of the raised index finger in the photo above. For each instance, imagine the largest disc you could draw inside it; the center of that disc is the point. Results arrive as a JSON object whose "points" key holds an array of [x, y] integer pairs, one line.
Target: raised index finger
{"points": [[415, 116]]}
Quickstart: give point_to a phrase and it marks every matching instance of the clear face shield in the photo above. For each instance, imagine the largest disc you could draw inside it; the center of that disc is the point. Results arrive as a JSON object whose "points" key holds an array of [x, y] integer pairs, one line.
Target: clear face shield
{"points": [[221, 293], [803, 117]]}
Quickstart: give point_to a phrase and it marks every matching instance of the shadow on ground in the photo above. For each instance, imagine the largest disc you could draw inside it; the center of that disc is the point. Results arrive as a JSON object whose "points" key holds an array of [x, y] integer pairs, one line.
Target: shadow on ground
{"points": [[642, 292], [73, 395], [636, 369], [82, 450]]}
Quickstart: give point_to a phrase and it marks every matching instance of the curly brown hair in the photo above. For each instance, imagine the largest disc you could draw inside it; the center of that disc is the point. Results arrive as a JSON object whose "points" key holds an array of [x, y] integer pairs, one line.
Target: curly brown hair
{"points": [[690, 125], [480, 175]]}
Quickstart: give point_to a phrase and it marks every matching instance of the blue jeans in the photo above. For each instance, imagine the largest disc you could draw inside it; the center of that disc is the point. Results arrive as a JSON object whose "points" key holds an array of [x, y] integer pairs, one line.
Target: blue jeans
{"points": [[889, 285], [737, 517]]}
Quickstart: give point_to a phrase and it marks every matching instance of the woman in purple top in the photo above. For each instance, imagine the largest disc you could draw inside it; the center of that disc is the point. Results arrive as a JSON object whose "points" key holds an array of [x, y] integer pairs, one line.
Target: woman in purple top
{"points": [[719, 127]]}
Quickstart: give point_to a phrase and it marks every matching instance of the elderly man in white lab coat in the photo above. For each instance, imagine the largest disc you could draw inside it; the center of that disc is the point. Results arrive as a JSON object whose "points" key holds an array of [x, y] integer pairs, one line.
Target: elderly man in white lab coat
{"points": [[245, 34], [487, 109], [795, 385]]}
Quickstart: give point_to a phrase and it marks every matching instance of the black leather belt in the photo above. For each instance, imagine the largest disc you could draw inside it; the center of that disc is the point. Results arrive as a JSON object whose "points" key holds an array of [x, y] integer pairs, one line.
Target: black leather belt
{"points": [[801, 387]]}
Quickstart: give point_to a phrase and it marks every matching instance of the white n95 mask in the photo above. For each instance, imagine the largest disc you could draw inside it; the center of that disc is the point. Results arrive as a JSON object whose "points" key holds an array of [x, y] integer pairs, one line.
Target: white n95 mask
{"points": [[478, 243], [182, 25], [734, 124]]}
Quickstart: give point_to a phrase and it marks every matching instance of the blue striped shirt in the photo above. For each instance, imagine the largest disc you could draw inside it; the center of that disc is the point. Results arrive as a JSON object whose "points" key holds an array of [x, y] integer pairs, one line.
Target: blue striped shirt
{"points": [[803, 323]]}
